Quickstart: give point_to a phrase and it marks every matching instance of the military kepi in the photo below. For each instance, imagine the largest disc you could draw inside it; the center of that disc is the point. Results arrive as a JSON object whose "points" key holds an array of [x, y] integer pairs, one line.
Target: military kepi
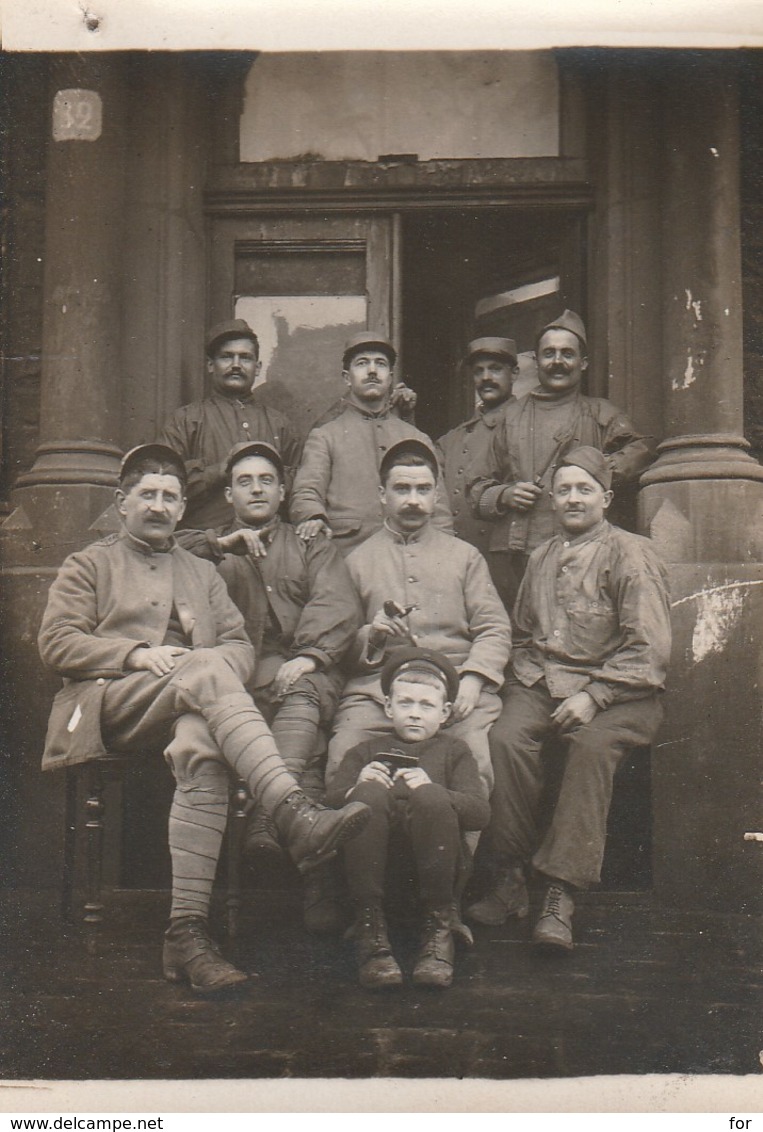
{"points": [[591, 460], [412, 446], [159, 452], [568, 320], [233, 328], [366, 339], [409, 660], [495, 347], [254, 448]]}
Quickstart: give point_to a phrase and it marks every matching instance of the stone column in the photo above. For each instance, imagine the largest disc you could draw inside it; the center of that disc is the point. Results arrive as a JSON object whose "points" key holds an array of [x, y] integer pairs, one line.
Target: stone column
{"points": [[702, 503], [63, 502]]}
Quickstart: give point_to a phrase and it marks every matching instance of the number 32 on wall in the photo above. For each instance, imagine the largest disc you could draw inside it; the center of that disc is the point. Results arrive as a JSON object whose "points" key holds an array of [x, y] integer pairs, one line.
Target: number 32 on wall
{"points": [[77, 115]]}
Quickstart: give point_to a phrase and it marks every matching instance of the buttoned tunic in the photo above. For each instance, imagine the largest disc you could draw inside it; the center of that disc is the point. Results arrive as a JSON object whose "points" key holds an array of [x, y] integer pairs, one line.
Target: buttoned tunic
{"points": [[465, 446], [457, 611], [338, 479], [204, 432], [525, 438], [592, 614], [110, 598], [298, 600]]}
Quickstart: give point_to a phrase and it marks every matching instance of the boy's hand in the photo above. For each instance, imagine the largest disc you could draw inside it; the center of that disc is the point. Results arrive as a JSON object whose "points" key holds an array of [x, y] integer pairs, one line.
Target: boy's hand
{"points": [[376, 772], [413, 777]]}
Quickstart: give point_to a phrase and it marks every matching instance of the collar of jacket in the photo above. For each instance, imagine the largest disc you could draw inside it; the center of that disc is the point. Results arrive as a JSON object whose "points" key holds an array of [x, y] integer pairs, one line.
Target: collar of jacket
{"points": [[541, 394], [141, 547], [223, 400], [366, 413], [416, 536], [489, 417], [597, 532]]}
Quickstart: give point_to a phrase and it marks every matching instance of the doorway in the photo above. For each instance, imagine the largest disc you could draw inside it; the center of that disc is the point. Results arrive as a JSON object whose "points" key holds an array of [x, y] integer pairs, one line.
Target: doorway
{"points": [[466, 274]]}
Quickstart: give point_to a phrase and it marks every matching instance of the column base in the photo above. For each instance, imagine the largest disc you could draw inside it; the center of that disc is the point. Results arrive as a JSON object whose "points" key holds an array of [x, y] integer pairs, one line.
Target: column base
{"points": [[74, 462]]}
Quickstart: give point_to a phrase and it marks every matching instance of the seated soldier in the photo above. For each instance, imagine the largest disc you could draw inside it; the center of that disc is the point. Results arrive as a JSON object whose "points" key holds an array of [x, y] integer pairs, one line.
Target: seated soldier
{"points": [[153, 651], [591, 650], [424, 783], [301, 612]]}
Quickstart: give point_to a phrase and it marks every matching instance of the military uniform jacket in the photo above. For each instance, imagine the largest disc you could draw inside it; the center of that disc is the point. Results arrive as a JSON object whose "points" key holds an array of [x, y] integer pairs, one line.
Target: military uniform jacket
{"points": [[338, 479], [299, 597], [204, 432], [516, 454], [465, 446], [457, 609], [109, 598]]}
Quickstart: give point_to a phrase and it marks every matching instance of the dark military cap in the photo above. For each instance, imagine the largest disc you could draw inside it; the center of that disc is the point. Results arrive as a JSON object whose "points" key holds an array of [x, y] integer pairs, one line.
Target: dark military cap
{"points": [[233, 328], [364, 340], [159, 452], [254, 448], [414, 446], [495, 347]]}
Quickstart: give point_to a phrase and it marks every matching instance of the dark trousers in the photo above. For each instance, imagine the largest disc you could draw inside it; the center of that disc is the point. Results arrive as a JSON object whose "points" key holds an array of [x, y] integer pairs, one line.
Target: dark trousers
{"points": [[428, 819], [572, 848]]}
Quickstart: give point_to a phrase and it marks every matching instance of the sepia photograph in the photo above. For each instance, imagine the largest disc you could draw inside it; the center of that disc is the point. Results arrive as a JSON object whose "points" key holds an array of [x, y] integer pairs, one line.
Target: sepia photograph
{"points": [[381, 552]]}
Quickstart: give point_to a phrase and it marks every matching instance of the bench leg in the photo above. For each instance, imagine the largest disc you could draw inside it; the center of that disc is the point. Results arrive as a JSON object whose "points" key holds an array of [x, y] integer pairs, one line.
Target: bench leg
{"points": [[70, 843], [94, 825], [236, 827]]}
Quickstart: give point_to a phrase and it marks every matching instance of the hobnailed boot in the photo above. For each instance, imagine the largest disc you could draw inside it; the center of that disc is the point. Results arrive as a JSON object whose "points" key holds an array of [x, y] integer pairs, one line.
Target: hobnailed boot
{"points": [[507, 897], [377, 967], [321, 908], [189, 954], [554, 925], [260, 835], [313, 833], [434, 963]]}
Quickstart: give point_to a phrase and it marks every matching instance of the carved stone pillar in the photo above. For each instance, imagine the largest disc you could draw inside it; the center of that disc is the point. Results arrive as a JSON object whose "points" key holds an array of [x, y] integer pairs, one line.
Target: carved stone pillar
{"points": [[702, 503]]}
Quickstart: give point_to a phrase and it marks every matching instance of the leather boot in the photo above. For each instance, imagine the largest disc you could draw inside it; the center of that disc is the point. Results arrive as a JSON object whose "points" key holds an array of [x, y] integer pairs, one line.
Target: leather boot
{"points": [[434, 963], [313, 833], [321, 907], [507, 897], [377, 967], [260, 835], [189, 954], [554, 925]]}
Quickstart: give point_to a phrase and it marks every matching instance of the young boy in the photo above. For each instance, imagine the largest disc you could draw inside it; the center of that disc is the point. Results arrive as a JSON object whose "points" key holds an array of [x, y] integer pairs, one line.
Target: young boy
{"points": [[425, 782]]}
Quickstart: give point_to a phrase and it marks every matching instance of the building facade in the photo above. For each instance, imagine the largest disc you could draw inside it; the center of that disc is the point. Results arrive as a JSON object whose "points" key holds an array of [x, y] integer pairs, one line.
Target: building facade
{"points": [[434, 196]]}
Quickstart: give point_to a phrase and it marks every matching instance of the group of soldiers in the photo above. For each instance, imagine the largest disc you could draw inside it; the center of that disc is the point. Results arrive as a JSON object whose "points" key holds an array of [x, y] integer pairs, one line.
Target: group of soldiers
{"points": [[353, 664]]}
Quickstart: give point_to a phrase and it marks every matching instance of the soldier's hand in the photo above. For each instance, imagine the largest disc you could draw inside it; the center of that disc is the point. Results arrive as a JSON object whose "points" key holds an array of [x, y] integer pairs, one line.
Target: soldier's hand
{"points": [[159, 659], [575, 711], [469, 688], [384, 627], [404, 400], [521, 496], [290, 671], [376, 772], [244, 541], [309, 528]]}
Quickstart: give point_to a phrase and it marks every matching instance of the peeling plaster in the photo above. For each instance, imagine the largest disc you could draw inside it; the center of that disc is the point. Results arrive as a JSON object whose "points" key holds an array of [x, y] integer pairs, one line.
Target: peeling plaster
{"points": [[719, 609], [689, 375], [695, 304], [714, 151]]}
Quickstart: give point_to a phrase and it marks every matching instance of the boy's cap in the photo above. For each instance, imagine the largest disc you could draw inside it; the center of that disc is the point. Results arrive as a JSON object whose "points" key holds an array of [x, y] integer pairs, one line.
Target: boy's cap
{"points": [[410, 660], [160, 452], [254, 448], [591, 460], [412, 445]]}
